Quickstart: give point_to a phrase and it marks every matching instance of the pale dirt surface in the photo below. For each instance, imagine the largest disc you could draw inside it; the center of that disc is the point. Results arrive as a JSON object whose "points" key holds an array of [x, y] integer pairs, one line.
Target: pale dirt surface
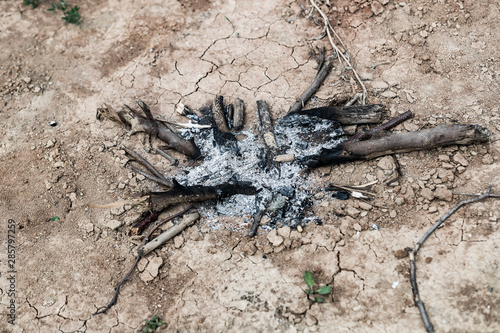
{"points": [[438, 58]]}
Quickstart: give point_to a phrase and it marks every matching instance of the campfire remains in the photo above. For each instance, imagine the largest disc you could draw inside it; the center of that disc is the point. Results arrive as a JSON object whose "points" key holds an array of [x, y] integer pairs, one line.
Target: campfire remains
{"points": [[242, 174]]}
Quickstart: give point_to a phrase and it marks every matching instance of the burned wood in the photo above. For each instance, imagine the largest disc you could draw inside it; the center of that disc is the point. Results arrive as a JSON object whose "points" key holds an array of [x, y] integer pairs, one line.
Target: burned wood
{"points": [[347, 115], [277, 203], [218, 113], [158, 201], [239, 114], [169, 234], [229, 112], [266, 130], [222, 136], [324, 68], [143, 222], [256, 221], [364, 135], [439, 136], [137, 122], [357, 193], [413, 254], [186, 111], [146, 239]]}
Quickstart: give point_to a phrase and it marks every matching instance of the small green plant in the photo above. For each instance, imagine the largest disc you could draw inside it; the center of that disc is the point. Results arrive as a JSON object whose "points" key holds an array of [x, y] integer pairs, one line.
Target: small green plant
{"points": [[71, 14], [32, 3], [153, 324], [309, 279], [62, 6]]}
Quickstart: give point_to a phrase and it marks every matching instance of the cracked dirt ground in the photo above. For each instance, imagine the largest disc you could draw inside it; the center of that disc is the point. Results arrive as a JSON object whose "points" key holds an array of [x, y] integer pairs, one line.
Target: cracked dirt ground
{"points": [[438, 58]]}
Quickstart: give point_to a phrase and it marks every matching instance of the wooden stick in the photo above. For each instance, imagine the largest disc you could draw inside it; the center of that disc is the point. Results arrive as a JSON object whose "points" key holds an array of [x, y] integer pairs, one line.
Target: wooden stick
{"points": [[146, 239], [143, 222], [165, 183], [134, 120], [158, 201], [169, 234], [324, 68], [266, 125], [439, 136], [145, 163], [173, 161], [364, 135], [413, 254]]}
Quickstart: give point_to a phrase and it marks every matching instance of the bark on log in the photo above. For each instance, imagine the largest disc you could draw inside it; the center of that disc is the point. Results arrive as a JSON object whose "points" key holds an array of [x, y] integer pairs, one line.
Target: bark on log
{"points": [[442, 135], [348, 115]]}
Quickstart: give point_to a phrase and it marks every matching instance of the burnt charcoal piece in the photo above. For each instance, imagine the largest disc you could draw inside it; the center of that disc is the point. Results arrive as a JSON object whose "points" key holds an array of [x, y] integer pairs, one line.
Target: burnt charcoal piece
{"points": [[348, 115], [218, 112], [239, 114], [223, 138], [342, 195], [181, 194], [327, 157], [229, 112]]}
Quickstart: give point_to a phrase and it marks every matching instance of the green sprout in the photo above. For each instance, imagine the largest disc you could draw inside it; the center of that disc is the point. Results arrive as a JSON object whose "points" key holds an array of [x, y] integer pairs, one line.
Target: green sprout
{"points": [[153, 324], [71, 14], [32, 3], [62, 5], [309, 279]]}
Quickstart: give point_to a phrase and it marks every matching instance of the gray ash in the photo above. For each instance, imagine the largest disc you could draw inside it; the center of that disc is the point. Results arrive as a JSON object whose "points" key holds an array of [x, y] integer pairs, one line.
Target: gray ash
{"points": [[282, 192]]}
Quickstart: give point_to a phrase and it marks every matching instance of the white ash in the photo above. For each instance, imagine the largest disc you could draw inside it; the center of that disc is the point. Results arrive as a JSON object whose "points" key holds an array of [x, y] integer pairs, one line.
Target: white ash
{"points": [[281, 186]]}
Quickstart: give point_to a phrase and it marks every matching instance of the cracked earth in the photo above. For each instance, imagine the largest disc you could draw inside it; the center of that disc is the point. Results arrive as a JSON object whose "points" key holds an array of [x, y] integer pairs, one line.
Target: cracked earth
{"points": [[438, 58]]}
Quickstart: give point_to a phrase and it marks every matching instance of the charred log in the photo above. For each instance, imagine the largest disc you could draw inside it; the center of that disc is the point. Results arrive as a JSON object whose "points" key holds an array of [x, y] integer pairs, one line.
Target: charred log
{"points": [[239, 114], [348, 115], [439, 136], [158, 201]]}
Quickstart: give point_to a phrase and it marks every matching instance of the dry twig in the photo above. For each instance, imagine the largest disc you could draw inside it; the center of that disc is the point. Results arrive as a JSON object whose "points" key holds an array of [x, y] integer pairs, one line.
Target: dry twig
{"points": [[413, 254], [169, 234], [146, 239], [330, 31], [324, 68], [364, 135]]}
